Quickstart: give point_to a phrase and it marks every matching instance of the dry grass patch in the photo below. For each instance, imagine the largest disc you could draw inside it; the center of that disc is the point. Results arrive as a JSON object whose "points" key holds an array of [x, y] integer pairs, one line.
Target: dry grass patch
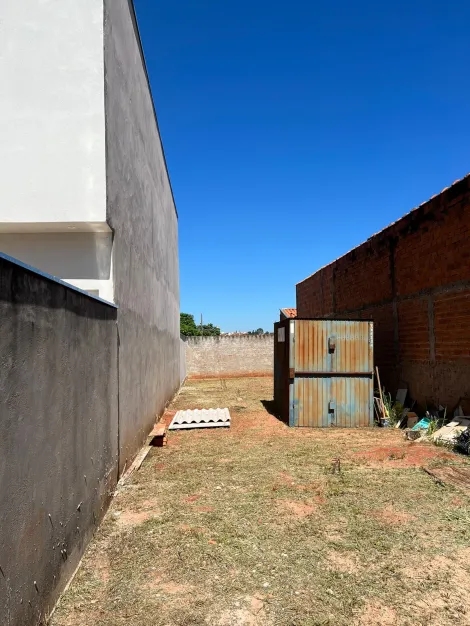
{"points": [[376, 614], [248, 525], [346, 563], [295, 508], [389, 515]]}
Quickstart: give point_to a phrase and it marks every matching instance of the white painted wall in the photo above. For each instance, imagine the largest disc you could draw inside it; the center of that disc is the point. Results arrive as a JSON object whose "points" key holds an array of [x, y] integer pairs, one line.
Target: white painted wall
{"points": [[82, 259], [52, 118]]}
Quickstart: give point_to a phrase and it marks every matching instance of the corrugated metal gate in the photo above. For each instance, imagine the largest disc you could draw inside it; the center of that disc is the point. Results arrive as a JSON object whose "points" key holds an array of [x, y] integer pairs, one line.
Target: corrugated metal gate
{"points": [[324, 372]]}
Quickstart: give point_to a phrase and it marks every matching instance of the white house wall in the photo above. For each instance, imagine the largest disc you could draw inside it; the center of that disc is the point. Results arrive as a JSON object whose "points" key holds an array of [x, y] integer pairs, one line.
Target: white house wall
{"points": [[52, 118]]}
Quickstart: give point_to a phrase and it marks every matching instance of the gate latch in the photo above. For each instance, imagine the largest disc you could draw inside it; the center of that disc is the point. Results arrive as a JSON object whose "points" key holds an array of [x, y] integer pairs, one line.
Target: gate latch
{"points": [[332, 343]]}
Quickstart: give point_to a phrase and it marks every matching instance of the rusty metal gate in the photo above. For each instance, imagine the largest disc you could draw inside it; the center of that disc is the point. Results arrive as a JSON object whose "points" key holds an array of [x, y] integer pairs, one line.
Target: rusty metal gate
{"points": [[324, 372]]}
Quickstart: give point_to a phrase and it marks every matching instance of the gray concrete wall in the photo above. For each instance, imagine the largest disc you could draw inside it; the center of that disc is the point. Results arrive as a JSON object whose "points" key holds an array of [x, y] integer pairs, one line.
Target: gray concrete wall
{"points": [[182, 361], [230, 356], [58, 434], [141, 212]]}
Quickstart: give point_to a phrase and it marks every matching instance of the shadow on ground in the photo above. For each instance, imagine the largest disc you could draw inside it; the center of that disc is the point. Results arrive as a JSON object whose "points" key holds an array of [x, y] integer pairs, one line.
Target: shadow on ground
{"points": [[270, 407]]}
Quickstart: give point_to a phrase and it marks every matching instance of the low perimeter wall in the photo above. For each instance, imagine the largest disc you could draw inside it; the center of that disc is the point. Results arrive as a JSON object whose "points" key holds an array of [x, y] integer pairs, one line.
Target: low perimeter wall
{"points": [[230, 356], [58, 434]]}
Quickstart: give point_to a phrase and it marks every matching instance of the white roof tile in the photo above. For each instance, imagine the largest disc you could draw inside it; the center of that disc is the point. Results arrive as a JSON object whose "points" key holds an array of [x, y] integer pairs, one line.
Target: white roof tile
{"points": [[200, 418]]}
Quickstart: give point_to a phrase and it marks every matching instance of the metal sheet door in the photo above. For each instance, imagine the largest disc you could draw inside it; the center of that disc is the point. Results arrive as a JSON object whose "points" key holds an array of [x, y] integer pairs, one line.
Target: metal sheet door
{"points": [[311, 402], [330, 373], [323, 346], [351, 400], [320, 402]]}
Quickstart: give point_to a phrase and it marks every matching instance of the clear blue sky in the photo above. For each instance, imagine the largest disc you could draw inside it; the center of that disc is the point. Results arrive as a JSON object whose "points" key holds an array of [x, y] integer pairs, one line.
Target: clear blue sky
{"points": [[295, 130]]}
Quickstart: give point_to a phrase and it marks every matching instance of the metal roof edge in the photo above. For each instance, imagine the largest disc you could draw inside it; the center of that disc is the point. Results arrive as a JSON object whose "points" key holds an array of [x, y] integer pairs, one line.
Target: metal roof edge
{"points": [[144, 64], [54, 279], [456, 182]]}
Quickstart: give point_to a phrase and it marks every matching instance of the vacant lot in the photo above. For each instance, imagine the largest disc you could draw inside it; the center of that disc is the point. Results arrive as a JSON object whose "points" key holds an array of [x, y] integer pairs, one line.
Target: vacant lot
{"points": [[249, 526]]}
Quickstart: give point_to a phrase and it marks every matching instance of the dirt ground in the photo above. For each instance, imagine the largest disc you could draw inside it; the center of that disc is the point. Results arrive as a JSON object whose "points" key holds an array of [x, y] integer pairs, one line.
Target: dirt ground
{"points": [[250, 526]]}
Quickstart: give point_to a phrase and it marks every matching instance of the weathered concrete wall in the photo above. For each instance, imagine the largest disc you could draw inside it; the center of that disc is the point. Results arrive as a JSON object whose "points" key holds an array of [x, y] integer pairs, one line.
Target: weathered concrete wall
{"points": [[413, 280], [182, 361], [230, 356], [58, 434], [142, 214]]}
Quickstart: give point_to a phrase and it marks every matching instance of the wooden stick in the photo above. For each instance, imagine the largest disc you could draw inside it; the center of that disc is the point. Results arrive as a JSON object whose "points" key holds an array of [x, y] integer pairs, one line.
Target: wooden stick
{"points": [[384, 413]]}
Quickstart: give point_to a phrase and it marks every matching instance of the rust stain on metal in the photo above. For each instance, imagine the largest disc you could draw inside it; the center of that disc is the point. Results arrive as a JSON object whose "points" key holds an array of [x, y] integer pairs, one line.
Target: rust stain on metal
{"points": [[330, 374]]}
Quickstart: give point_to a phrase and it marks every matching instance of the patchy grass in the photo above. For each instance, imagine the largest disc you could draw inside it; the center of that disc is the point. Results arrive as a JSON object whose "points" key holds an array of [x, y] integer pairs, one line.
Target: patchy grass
{"points": [[249, 526]]}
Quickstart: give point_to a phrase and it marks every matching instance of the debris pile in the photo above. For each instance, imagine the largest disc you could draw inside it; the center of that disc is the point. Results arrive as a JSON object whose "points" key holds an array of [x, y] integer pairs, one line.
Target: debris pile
{"points": [[436, 425]]}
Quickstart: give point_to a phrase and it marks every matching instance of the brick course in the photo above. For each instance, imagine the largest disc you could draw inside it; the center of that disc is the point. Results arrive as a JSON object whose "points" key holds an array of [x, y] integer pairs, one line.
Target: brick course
{"points": [[452, 325], [413, 280]]}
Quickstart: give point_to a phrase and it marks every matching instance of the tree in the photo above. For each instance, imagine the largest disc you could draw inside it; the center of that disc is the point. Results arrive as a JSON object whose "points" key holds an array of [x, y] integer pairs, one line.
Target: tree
{"points": [[210, 331], [259, 331], [188, 327]]}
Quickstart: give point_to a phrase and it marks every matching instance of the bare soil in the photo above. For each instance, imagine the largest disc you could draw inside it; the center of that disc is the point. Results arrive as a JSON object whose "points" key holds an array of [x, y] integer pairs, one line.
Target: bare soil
{"points": [[249, 525]]}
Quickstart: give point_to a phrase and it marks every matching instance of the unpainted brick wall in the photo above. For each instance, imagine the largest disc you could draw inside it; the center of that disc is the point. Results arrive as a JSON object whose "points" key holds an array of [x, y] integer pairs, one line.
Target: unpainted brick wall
{"points": [[230, 356], [413, 280]]}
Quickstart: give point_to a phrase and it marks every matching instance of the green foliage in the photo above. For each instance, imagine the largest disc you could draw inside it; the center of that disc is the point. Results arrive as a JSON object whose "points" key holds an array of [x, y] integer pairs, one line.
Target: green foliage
{"points": [[208, 330], [188, 327], [394, 410], [258, 331]]}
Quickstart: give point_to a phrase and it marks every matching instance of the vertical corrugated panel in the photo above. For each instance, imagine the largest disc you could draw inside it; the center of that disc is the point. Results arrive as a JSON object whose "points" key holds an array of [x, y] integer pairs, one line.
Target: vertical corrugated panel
{"points": [[291, 331], [292, 416], [352, 340], [352, 352], [325, 398], [353, 401], [311, 395], [352, 396]]}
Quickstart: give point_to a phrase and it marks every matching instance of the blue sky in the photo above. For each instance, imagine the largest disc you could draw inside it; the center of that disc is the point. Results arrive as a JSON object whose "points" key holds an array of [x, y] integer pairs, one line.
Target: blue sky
{"points": [[295, 130]]}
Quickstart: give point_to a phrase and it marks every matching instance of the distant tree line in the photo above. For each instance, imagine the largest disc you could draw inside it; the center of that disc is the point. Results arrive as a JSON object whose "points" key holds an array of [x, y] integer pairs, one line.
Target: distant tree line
{"points": [[188, 327]]}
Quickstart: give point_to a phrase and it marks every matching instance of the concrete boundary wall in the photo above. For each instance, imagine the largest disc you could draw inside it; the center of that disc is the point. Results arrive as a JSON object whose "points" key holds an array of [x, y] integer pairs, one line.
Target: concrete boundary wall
{"points": [[141, 212], [413, 280], [58, 434], [182, 361], [230, 356]]}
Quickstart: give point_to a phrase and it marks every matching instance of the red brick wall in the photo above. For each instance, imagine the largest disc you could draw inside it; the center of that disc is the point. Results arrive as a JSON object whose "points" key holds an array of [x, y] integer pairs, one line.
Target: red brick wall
{"points": [[363, 275], [413, 280], [452, 325], [413, 329], [317, 299]]}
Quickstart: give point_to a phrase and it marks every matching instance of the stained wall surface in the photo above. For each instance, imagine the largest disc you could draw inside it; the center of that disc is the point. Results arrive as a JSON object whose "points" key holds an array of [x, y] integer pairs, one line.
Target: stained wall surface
{"points": [[230, 355], [58, 434], [141, 212]]}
